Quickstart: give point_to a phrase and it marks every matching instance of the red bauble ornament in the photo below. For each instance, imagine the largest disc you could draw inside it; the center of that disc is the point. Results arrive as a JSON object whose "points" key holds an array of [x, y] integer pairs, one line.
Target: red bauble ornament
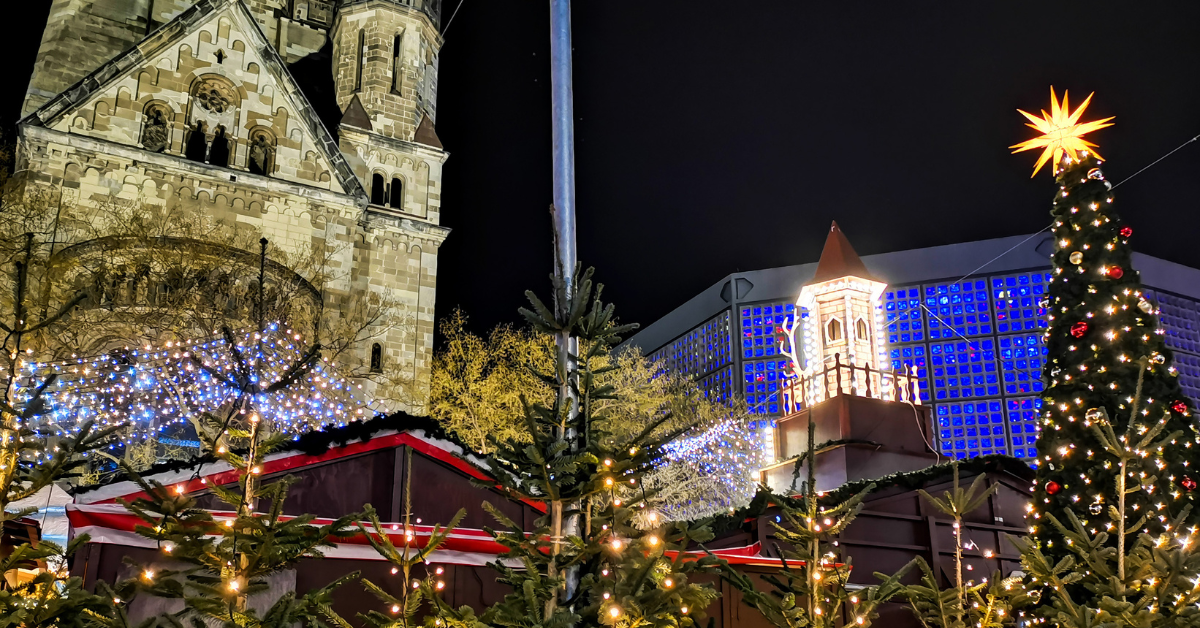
{"points": [[1126, 232], [1179, 407], [1188, 483], [1115, 272], [1079, 329], [1053, 487]]}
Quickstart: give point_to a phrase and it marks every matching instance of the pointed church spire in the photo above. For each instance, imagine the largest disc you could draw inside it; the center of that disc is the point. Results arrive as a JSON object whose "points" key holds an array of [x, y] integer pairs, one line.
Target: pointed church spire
{"points": [[838, 259]]}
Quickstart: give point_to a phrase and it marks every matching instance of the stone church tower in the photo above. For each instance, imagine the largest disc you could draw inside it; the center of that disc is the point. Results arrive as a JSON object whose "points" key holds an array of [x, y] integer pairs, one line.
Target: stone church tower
{"points": [[310, 121]]}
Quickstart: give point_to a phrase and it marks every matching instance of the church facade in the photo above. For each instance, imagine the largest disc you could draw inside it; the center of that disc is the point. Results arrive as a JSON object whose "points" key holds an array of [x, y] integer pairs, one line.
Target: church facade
{"points": [[308, 121]]}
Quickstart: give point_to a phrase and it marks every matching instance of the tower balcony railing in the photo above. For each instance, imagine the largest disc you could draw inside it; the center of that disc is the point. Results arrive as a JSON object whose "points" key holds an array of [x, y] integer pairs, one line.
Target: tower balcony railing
{"points": [[813, 387]]}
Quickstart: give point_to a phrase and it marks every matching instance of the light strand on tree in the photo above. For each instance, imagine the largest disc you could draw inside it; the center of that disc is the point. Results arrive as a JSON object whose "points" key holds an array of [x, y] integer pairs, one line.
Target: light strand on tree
{"points": [[155, 390]]}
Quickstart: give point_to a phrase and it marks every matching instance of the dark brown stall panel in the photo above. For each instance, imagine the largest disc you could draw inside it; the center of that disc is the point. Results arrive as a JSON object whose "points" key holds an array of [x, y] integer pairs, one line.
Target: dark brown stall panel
{"points": [[343, 486], [440, 490], [897, 525], [330, 489]]}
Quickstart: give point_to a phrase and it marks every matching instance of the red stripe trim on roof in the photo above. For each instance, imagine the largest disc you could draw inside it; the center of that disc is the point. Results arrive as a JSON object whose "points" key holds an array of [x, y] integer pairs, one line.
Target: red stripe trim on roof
{"points": [[295, 461], [111, 523]]}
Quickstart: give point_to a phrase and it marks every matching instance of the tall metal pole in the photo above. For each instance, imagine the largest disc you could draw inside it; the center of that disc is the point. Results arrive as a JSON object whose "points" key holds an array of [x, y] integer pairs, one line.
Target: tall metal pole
{"points": [[563, 140], [562, 102]]}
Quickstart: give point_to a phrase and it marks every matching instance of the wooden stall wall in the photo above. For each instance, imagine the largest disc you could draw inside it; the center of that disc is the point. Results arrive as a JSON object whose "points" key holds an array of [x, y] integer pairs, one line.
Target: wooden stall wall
{"points": [[337, 487]]}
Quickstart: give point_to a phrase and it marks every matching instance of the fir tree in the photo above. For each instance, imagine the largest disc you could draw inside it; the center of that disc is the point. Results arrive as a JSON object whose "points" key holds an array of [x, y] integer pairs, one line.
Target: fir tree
{"points": [[29, 464], [587, 563], [1103, 339], [416, 593], [987, 604], [1151, 581], [810, 590], [216, 564]]}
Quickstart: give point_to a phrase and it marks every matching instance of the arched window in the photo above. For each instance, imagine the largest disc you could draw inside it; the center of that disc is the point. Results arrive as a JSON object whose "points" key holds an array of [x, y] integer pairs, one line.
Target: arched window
{"points": [[378, 191], [833, 331], [396, 194], [362, 56], [861, 330], [376, 358], [397, 76]]}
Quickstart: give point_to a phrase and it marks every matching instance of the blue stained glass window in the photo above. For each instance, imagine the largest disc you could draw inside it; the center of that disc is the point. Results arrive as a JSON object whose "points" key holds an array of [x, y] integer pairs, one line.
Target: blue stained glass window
{"points": [[958, 309], [719, 385], [1023, 427], [1017, 300], [912, 357], [1021, 359], [760, 329], [902, 311], [963, 370], [703, 350], [1180, 320], [972, 428], [762, 381], [1188, 367]]}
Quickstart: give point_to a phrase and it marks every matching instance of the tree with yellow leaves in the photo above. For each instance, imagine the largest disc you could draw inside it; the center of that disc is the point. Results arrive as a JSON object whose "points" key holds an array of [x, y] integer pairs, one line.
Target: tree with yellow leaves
{"points": [[478, 385]]}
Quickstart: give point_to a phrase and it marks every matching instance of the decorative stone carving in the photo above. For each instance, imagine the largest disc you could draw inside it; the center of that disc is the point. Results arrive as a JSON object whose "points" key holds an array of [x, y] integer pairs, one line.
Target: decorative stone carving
{"points": [[261, 154], [156, 135], [215, 96]]}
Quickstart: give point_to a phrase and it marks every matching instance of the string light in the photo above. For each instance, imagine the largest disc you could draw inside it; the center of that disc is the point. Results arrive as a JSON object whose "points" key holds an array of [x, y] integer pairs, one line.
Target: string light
{"points": [[155, 389], [720, 462]]}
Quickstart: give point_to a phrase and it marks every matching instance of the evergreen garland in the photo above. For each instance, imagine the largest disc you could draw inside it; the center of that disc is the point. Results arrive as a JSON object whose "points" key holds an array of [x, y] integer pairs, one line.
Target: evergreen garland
{"points": [[764, 500], [311, 444]]}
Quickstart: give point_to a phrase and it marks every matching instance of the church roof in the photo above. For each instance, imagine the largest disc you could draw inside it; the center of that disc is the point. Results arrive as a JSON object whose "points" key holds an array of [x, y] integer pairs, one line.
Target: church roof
{"points": [[838, 259], [425, 133], [356, 115]]}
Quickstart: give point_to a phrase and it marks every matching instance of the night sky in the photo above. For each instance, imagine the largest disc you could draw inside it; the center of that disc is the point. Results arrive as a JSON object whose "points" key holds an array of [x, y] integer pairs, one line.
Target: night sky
{"points": [[712, 138]]}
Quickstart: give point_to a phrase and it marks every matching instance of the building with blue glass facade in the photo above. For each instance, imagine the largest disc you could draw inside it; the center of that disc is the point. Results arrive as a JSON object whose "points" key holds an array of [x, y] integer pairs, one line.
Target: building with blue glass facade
{"points": [[975, 341]]}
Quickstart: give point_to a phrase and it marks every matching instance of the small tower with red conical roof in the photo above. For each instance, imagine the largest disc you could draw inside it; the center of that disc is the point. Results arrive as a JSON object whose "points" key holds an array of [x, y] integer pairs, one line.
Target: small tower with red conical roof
{"points": [[842, 303], [839, 387]]}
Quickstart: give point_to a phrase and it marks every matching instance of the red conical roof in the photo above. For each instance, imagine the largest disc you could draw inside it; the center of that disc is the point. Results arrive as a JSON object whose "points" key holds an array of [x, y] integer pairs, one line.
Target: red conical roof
{"points": [[838, 259]]}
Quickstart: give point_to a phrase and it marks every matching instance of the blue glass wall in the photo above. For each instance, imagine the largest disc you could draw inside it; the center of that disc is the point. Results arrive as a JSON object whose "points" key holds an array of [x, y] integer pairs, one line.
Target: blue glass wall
{"points": [[1181, 323], [902, 315], [1023, 425], [762, 363], [958, 309], [976, 345], [705, 353], [971, 428]]}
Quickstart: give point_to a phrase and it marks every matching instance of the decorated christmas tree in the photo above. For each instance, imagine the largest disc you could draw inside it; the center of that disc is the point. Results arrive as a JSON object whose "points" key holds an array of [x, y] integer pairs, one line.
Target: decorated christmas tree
{"points": [[1103, 336], [1150, 580]]}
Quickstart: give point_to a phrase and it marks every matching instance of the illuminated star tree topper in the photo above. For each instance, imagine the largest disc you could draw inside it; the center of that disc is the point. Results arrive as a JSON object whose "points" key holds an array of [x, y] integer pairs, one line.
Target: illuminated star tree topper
{"points": [[1061, 132]]}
